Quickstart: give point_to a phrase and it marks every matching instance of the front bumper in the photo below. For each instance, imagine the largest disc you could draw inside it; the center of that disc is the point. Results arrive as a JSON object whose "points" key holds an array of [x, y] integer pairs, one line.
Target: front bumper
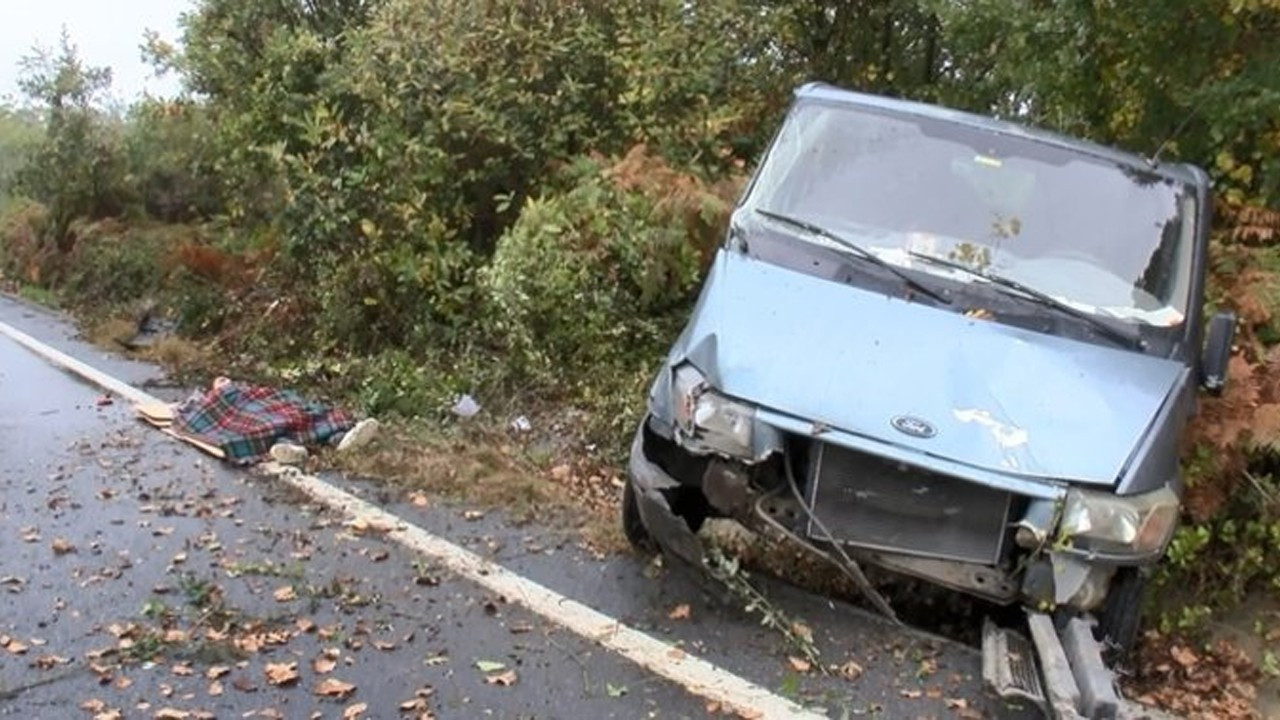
{"points": [[652, 486], [664, 476]]}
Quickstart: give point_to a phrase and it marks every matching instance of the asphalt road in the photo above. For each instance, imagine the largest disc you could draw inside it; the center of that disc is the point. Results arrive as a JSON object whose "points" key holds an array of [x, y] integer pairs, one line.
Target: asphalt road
{"points": [[141, 577]]}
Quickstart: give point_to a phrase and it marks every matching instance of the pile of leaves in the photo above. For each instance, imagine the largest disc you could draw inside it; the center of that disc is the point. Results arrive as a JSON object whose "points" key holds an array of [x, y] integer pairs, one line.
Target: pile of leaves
{"points": [[1230, 540], [1217, 682]]}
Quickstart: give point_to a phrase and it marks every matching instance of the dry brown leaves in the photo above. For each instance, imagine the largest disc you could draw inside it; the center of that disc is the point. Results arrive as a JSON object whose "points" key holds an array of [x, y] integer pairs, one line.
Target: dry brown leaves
{"points": [[281, 674], [334, 688], [13, 645], [326, 661], [1217, 682], [505, 678]]}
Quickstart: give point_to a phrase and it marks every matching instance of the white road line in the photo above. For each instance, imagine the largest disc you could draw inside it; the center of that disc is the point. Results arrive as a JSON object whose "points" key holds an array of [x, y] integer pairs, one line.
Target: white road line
{"points": [[696, 675]]}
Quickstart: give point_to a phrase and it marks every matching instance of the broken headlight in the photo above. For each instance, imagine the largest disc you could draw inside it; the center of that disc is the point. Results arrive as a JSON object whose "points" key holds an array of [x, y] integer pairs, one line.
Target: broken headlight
{"points": [[1120, 525], [710, 420]]}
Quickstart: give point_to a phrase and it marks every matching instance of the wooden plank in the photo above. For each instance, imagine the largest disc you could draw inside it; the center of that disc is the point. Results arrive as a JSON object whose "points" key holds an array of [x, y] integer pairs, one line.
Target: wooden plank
{"points": [[211, 449]]}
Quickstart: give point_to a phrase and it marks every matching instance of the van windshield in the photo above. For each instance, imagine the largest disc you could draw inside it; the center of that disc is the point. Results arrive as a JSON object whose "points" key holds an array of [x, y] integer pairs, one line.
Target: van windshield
{"points": [[1106, 238]]}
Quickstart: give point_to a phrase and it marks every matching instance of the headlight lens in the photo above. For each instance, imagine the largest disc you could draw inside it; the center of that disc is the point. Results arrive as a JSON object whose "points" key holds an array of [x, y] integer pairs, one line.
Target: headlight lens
{"points": [[1136, 525], [710, 419]]}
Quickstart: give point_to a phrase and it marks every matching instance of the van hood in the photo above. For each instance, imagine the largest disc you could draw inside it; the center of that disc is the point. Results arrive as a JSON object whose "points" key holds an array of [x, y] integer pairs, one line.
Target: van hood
{"points": [[972, 391]]}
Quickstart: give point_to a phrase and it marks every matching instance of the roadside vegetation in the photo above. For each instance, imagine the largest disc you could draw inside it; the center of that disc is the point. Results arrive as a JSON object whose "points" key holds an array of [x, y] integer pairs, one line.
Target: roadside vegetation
{"points": [[400, 203]]}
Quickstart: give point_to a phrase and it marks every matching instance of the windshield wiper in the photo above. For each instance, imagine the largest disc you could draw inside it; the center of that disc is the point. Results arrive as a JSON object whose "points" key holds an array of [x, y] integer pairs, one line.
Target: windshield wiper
{"points": [[1129, 339], [858, 250]]}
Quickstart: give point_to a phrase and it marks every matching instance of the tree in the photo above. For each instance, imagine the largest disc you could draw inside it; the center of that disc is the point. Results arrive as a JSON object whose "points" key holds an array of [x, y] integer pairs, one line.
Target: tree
{"points": [[75, 170]]}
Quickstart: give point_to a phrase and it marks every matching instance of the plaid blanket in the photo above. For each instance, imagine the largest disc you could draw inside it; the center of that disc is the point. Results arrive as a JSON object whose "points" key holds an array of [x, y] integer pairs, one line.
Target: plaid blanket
{"points": [[245, 421]]}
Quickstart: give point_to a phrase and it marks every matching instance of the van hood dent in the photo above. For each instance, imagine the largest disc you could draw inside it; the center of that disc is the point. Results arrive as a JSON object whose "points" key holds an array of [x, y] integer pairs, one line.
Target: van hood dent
{"points": [[996, 397]]}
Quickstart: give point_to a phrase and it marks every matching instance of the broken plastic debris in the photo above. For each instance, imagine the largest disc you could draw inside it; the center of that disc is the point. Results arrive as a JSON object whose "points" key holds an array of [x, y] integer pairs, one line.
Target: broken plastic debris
{"points": [[362, 434], [521, 424], [466, 406], [288, 453]]}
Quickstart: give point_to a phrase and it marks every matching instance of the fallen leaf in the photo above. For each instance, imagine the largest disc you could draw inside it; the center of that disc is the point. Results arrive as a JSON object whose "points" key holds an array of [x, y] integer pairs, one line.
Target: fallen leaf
{"points": [[284, 673], [1184, 656], [957, 703], [216, 672], [802, 631], [112, 714], [93, 705], [488, 666], [325, 662], [215, 688], [305, 625], [123, 683], [799, 664], [171, 714], [850, 670], [62, 546], [911, 694], [48, 662], [679, 612], [335, 688], [505, 679], [183, 670], [285, 594], [15, 646], [354, 711]]}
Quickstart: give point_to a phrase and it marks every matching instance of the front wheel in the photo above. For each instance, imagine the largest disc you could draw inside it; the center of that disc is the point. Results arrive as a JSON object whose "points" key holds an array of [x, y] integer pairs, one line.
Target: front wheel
{"points": [[632, 524], [1120, 618]]}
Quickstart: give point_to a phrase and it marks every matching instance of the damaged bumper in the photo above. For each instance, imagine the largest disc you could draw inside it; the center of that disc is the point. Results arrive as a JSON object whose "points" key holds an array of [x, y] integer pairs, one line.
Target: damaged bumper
{"points": [[652, 485], [991, 543]]}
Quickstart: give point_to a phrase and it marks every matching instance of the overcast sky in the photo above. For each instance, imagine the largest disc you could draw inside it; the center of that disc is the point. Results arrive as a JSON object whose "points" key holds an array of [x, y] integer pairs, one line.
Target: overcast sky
{"points": [[108, 32]]}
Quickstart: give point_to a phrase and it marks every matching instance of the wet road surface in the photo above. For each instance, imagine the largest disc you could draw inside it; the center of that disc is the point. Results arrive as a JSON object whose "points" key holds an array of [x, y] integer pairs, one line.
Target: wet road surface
{"points": [[140, 577]]}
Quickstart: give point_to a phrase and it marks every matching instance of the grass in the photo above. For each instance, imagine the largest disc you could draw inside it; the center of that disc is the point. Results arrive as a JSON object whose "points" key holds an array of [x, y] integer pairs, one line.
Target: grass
{"points": [[38, 295], [483, 468]]}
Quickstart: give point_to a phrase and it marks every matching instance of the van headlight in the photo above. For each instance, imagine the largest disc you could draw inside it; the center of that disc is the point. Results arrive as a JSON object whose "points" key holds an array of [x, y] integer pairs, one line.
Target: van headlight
{"points": [[1120, 525], [709, 420]]}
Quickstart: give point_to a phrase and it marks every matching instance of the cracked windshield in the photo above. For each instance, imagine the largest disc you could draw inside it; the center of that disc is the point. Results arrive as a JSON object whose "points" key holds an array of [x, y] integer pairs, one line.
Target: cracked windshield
{"points": [[1105, 238]]}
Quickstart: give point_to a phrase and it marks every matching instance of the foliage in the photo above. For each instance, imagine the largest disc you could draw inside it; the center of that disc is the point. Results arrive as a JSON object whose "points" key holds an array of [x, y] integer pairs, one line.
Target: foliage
{"points": [[1195, 79], [589, 276], [20, 131], [172, 160], [76, 170]]}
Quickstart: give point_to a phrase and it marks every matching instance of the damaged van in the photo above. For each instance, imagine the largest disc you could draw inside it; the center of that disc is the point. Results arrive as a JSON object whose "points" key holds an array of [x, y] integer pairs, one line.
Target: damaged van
{"points": [[955, 348]]}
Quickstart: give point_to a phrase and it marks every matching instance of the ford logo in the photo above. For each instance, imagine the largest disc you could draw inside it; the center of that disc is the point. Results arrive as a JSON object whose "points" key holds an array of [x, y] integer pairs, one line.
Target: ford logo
{"points": [[913, 426]]}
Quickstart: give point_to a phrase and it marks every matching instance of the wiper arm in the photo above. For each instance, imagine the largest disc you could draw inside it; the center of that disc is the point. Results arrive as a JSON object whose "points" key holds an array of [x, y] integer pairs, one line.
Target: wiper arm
{"points": [[858, 250], [1126, 338]]}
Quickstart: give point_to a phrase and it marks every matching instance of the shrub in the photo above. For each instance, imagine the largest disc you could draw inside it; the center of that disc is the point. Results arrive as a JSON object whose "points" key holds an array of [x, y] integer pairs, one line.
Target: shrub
{"points": [[593, 281]]}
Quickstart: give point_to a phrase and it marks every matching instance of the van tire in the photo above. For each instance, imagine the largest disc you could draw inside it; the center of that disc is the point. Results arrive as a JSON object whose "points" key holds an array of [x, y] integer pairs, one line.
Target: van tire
{"points": [[632, 524], [1120, 617]]}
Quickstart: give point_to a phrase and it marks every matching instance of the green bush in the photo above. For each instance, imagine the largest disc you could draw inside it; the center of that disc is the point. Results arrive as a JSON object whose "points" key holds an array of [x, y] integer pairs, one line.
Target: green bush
{"points": [[593, 282], [172, 160]]}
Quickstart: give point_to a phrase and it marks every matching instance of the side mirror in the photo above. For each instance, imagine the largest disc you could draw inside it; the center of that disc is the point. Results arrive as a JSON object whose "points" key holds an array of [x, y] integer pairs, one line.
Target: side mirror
{"points": [[1217, 351]]}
